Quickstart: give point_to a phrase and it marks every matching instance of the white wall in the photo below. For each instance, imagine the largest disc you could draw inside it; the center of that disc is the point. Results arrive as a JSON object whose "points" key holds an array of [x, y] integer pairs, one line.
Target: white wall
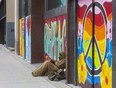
{"points": [[10, 10], [16, 14]]}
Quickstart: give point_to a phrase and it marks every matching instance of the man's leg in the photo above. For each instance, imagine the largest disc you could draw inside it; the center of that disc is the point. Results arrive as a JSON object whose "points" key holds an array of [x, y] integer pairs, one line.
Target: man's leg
{"points": [[44, 68], [51, 68]]}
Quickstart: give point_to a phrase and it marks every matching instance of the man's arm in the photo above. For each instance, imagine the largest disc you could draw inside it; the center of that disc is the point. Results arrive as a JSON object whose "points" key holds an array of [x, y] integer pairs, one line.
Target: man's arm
{"points": [[61, 63]]}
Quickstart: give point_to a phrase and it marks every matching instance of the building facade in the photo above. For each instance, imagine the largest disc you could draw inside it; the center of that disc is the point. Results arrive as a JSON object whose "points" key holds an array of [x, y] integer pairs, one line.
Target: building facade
{"points": [[40, 29]]}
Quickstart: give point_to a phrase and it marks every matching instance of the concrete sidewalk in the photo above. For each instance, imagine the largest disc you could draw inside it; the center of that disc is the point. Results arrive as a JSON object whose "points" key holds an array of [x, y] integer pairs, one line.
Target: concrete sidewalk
{"points": [[16, 73]]}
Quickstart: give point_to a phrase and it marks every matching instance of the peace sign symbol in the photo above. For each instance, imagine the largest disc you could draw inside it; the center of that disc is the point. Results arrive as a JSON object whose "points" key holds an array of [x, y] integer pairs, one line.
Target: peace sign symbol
{"points": [[99, 39]]}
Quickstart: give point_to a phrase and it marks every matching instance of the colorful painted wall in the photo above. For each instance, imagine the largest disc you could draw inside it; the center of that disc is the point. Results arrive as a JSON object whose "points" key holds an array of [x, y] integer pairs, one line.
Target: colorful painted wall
{"points": [[21, 36], [54, 36], [95, 44], [25, 37], [28, 38]]}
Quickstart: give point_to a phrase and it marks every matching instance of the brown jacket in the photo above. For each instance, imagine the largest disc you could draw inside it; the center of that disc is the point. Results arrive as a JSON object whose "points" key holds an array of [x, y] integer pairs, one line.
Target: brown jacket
{"points": [[61, 63]]}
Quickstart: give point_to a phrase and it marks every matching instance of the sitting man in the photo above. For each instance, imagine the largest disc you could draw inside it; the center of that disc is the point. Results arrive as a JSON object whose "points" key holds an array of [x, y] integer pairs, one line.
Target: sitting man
{"points": [[50, 66]]}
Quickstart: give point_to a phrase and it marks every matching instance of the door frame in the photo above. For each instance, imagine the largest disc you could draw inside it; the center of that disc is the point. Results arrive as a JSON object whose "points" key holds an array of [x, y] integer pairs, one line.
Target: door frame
{"points": [[72, 42]]}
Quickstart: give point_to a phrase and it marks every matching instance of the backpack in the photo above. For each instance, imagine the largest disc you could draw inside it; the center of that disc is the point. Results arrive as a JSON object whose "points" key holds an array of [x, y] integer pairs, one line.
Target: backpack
{"points": [[57, 76]]}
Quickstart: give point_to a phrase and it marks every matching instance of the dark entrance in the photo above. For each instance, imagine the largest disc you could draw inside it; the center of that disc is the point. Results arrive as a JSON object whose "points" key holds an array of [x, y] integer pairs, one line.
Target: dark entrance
{"points": [[2, 21], [2, 30]]}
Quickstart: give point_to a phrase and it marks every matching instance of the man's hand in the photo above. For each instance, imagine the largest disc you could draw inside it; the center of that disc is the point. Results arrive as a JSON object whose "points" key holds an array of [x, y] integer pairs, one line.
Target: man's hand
{"points": [[52, 61]]}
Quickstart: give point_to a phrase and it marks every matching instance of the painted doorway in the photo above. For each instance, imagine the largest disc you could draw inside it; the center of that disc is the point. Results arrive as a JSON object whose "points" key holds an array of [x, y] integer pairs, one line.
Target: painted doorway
{"points": [[54, 28], [94, 43]]}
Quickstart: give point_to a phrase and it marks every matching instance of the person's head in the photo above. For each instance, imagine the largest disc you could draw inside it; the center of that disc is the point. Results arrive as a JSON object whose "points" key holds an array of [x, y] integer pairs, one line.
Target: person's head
{"points": [[62, 55]]}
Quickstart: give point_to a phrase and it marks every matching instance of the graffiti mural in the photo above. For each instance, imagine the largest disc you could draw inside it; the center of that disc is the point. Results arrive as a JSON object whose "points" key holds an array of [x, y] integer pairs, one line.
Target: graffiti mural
{"points": [[21, 36], [103, 43], [28, 38], [95, 44], [54, 36]]}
